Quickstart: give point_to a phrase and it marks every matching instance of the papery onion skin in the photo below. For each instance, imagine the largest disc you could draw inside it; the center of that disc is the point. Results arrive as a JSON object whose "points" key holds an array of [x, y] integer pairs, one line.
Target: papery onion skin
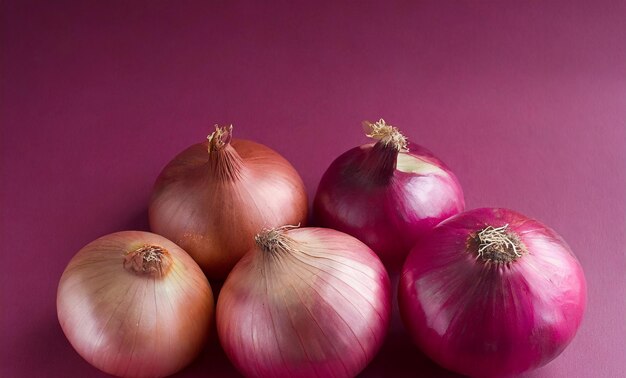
{"points": [[213, 203], [134, 322], [387, 197], [319, 310], [492, 319]]}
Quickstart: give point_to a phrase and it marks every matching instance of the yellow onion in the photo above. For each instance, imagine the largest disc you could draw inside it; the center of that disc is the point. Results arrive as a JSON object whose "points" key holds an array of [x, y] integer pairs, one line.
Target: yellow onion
{"points": [[215, 196], [134, 304]]}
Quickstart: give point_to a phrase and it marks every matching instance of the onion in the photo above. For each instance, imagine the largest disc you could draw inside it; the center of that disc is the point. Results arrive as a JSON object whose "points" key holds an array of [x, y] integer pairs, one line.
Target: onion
{"points": [[387, 194], [134, 304], [307, 302], [215, 196], [491, 292]]}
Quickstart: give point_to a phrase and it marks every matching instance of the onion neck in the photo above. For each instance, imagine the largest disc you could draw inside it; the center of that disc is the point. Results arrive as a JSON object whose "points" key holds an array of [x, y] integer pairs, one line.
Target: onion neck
{"points": [[224, 160], [496, 245], [274, 241], [380, 162], [148, 260]]}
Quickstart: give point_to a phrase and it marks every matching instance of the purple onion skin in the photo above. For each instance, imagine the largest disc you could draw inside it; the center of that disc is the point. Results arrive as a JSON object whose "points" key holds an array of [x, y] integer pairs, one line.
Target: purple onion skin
{"points": [[322, 310], [389, 215], [486, 319]]}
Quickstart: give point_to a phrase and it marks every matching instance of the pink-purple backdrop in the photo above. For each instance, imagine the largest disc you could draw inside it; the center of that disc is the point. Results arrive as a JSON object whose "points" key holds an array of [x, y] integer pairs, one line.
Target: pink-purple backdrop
{"points": [[525, 101]]}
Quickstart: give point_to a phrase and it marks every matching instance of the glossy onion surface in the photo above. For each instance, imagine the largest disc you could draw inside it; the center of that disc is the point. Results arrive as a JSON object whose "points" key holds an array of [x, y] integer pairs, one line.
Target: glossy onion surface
{"points": [[319, 308], [131, 317], [499, 312], [387, 198], [213, 203]]}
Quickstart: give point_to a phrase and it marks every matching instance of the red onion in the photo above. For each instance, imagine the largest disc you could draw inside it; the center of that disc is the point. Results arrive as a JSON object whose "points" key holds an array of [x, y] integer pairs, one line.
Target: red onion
{"points": [[215, 196], [307, 302], [387, 194], [491, 293], [134, 304]]}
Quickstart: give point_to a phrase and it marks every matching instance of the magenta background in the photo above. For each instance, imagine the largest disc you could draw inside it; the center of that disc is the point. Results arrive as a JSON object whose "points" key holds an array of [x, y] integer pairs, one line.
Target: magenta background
{"points": [[525, 101]]}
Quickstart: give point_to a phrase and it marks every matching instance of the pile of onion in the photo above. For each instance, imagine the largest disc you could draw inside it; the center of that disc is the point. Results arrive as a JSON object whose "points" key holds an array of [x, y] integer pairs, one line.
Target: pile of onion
{"points": [[308, 302], [485, 293], [134, 304], [215, 196], [387, 194], [491, 293]]}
